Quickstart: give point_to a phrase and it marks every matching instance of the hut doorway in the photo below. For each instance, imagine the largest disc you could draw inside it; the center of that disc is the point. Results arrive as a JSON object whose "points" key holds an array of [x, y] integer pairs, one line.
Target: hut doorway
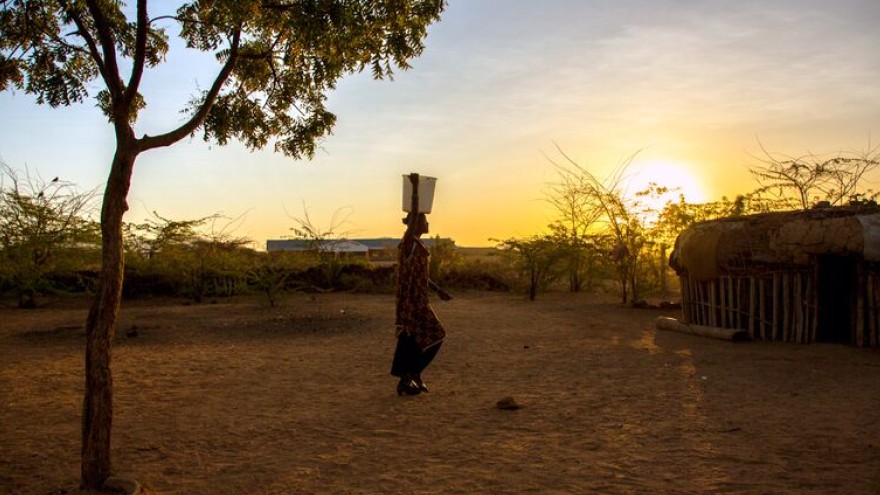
{"points": [[837, 279]]}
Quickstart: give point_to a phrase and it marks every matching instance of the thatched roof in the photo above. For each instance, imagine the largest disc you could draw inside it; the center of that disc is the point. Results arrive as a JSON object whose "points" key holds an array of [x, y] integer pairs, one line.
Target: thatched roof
{"points": [[788, 238]]}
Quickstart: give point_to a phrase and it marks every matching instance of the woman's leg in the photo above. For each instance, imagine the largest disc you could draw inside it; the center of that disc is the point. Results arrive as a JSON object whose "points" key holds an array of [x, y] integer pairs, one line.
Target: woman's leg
{"points": [[425, 357], [407, 357], [408, 364]]}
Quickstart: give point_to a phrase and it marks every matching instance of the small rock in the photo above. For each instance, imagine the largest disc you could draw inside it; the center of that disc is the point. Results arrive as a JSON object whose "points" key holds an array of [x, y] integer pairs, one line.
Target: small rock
{"points": [[507, 404]]}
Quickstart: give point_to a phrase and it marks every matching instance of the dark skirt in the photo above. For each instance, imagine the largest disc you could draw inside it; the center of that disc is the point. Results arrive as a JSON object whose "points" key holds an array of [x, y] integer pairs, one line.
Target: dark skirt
{"points": [[409, 359]]}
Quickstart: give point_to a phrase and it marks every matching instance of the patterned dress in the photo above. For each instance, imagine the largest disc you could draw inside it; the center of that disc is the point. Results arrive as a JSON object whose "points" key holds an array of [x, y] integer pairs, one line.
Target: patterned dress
{"points": [[415, 316]]}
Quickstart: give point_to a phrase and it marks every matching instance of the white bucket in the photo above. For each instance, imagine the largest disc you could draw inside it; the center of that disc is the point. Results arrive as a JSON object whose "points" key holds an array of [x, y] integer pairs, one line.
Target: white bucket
{"points": [[426, 193]]}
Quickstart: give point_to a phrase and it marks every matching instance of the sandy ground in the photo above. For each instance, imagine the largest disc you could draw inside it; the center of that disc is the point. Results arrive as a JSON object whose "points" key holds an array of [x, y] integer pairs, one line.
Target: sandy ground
{"points": [[238, 398]]}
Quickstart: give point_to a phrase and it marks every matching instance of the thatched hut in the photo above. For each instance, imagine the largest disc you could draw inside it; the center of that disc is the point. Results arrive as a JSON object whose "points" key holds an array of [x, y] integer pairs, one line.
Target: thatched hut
{"points": [[804, 276]]}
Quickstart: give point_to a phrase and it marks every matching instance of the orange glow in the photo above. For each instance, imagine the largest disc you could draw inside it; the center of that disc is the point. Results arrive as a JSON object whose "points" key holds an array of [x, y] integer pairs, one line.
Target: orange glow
{"points": [[677, 177]]}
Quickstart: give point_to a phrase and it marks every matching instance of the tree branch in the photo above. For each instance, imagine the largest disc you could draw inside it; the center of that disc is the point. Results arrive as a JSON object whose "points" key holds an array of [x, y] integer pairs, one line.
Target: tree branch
{"points": [[87, 37], [140, 54], [169, 138], [174, 18], [71, 47], [108, 46], [165, 17]]}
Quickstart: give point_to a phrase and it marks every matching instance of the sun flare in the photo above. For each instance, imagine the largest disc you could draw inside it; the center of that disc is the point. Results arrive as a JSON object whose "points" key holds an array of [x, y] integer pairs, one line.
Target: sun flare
{"points": [[678, 178]]}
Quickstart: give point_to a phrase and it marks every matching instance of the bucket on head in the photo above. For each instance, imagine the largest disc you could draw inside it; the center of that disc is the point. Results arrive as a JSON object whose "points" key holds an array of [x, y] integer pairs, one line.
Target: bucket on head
{"points": [[426, 193]]}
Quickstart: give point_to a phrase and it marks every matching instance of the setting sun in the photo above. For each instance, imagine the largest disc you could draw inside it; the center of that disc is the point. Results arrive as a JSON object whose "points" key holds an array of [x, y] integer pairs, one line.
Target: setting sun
{"points": [[678, 178]]}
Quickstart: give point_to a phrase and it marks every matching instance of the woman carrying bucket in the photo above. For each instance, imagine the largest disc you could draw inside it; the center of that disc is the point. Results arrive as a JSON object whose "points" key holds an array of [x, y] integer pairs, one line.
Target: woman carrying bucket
{"points": [[419, 332]]}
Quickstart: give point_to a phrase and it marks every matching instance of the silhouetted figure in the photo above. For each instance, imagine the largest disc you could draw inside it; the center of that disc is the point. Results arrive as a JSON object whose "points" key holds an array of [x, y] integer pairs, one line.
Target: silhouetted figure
{"points": [[419, 332]]}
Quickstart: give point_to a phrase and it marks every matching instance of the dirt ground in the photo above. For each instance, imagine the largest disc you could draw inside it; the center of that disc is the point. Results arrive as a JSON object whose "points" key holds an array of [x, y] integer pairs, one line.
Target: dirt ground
{"points": [[239, 398]]}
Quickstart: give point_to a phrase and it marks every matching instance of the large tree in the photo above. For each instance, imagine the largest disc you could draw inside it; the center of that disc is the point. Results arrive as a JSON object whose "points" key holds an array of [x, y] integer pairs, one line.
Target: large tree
{"points": [[276, 59]]}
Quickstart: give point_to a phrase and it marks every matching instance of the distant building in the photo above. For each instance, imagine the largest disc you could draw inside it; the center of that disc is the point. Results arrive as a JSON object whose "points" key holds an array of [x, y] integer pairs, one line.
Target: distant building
{"points": [[375, 248], [331, 246]]}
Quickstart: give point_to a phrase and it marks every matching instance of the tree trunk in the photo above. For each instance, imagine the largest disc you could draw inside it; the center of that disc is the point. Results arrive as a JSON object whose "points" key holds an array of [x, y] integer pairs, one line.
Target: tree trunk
{"points": [[634, 282], [101, 324], [534, 280], [624, 280], [574, 277]]}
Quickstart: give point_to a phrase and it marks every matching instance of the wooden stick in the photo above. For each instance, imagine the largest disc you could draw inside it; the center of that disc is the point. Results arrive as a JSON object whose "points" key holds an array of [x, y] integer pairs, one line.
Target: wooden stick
{"points": [[872, 285], [808, 305], [731, 334], [712, 304], [690, 300], [731, 302], [875, 327], [723, 297], [762, 308], [753, 309], [869, 309], [684, 298], [814, 329], [775, 332], [786, 307], [738, 312], [701, 290], [707, 301], [860, 307], [798, 309], [685, 285], [727, 303]]}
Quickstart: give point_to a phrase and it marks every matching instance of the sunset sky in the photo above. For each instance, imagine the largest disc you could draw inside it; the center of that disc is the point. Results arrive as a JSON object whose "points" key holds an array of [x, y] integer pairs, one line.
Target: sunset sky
{"points": [[693, 86]]}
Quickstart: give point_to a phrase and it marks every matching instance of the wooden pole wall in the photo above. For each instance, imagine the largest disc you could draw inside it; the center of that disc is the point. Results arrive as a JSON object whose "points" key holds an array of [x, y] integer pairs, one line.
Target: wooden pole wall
{"points": [[775, 306]]}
